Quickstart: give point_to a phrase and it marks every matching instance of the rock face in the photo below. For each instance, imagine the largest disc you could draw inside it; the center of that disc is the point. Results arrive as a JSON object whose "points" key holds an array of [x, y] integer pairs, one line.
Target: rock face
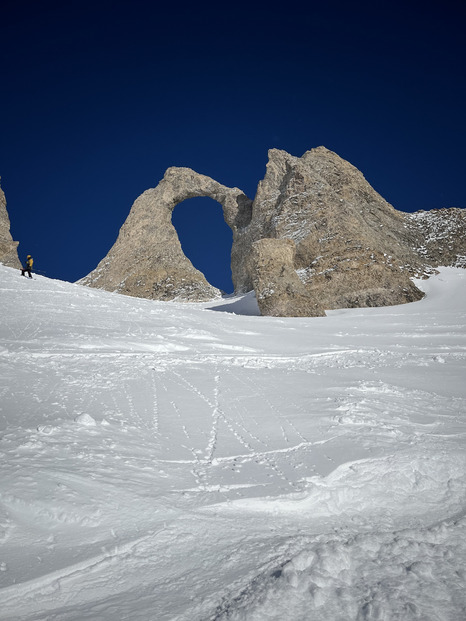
{"points": [[317, 236], [8, 247], [279, 290], [350, 243], [439, 236], [146, 259]]}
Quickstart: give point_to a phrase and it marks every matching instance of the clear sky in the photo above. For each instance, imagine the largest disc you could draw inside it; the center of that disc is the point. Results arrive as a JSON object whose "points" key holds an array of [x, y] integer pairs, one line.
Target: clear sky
{"points": [[98, 99]]}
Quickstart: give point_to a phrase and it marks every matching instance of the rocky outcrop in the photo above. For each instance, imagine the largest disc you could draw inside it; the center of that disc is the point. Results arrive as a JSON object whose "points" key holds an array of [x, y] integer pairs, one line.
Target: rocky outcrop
{"points": [[353, 249], [279, 290], [147, 260], [351, 245], [8, 247], [317, 236], [359, 278], [439, 236]]}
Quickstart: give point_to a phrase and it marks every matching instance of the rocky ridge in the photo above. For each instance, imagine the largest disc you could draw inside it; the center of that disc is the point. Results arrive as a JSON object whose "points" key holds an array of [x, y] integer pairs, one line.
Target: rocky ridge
{"points": [[8, 247], [317, 236]]}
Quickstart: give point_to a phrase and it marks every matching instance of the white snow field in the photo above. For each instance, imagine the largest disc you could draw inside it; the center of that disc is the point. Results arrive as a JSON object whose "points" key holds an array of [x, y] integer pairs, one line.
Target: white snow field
{"points": [[166, 461]]}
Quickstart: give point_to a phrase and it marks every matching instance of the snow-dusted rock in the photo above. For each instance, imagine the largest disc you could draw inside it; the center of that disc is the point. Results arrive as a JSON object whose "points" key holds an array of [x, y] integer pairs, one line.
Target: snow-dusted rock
{"points": [[8, 247], [440, 236]]}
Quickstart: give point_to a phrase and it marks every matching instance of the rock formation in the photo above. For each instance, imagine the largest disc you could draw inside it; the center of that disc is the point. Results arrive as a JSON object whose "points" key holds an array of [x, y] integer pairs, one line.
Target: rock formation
{"points": [[279, 290], [350, 243], [439, 236], [8, 247], [317, 236], [146, 259]]}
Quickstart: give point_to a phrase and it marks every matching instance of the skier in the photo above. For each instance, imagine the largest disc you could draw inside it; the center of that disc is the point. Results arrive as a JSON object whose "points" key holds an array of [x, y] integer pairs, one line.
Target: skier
{"points": [[27, 266]]}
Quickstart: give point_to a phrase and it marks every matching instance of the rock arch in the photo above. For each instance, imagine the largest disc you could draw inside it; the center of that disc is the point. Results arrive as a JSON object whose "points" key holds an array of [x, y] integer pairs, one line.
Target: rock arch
{"points": [[147, 259]]}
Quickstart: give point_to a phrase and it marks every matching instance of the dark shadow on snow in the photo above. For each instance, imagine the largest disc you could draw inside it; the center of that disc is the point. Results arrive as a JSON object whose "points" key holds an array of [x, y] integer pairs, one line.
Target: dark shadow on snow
{"points": [[245, 305]]}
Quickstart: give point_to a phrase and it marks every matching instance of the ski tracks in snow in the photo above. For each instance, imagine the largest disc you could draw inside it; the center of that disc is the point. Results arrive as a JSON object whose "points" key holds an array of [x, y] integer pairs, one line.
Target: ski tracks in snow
{"points": [[159, 464]]}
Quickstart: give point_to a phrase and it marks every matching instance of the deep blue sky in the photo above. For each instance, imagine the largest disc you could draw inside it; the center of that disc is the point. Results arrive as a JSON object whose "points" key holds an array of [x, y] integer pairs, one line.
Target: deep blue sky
{"points": [[98, 99]]}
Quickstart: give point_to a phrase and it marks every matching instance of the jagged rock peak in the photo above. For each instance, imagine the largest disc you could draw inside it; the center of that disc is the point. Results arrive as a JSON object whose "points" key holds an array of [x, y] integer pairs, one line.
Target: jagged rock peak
{"points": [[348, 238], [8, 247]]}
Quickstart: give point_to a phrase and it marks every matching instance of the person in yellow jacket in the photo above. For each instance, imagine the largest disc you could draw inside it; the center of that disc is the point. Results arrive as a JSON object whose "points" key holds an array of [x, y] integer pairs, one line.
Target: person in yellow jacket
{"points": [[28, 266]]}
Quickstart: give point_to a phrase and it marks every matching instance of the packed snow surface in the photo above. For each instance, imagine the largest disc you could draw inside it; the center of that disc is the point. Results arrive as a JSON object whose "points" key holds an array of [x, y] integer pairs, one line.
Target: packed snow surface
{"points": [[165, 461]]}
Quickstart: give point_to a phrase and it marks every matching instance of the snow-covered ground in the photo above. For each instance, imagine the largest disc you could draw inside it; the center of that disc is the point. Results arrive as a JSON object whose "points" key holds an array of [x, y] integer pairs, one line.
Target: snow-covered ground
{"points": [[164, 461]]}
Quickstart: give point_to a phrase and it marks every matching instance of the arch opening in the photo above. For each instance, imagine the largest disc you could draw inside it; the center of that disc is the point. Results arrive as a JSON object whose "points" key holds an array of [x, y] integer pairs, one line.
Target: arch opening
{"points": [[206, 239]]}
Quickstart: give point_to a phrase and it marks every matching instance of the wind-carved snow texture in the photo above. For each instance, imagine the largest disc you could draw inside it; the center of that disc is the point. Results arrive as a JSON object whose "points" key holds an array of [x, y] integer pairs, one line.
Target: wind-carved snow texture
{"points": [[170, 462]]}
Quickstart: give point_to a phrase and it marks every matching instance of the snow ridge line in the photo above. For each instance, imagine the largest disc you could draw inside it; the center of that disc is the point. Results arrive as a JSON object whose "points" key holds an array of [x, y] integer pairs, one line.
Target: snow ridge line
{"points": [[255, 454], [249, 456], [207, 357], [338, 358], [31, 587]]}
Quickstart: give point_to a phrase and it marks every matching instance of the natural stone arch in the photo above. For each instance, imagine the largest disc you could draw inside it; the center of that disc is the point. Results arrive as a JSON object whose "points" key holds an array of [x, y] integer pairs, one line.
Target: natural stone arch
{"points": [[147, 259]]}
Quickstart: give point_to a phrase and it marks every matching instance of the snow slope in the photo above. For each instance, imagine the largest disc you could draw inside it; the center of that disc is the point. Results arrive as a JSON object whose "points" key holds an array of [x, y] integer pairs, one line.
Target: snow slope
{"points": [[164, 461]]}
